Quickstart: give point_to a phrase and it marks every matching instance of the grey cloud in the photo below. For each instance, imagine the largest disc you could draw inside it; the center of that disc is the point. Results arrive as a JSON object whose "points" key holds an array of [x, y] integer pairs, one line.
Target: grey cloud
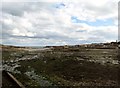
{"points": [[18, 8], [103, 10], [105, 35], [13, 8]]}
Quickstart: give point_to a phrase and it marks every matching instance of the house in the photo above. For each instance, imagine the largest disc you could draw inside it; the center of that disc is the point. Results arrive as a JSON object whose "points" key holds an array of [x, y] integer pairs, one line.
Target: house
{"points": [[66, 47]]}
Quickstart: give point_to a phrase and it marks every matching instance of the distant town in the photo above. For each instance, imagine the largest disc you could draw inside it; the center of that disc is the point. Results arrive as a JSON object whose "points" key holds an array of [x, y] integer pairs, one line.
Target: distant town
{"points": [[111, 45]]}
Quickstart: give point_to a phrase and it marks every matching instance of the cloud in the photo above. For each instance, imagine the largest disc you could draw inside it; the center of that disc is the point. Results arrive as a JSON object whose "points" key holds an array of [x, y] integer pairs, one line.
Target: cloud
{"points": [[51, 23]]}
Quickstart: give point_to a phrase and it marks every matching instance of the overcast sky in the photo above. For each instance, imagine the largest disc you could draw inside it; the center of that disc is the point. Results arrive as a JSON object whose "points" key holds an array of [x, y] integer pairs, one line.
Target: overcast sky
{"points": [[50, 22]]}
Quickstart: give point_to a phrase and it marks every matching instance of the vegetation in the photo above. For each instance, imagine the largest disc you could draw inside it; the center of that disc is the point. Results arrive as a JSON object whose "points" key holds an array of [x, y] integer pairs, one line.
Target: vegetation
{"points": [[66, 67]]}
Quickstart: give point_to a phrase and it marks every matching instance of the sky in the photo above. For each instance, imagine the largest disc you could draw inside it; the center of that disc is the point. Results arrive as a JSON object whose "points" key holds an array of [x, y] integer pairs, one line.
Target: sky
{"points": [[58, 22]]}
